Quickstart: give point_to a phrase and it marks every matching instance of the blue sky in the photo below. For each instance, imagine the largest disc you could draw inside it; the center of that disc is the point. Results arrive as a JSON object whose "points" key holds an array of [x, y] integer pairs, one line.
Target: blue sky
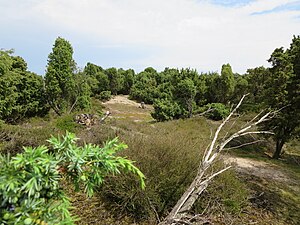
{"points": [[290, 6], [231, 3], [201, 34]]}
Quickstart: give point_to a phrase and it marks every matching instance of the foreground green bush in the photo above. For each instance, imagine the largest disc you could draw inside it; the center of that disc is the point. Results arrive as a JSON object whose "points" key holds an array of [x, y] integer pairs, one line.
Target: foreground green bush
{"points": [[30, 182]]}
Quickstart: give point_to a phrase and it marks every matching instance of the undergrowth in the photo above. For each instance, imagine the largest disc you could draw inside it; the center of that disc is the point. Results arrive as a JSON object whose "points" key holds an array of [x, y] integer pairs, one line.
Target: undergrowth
{"points": [[168, 154]]}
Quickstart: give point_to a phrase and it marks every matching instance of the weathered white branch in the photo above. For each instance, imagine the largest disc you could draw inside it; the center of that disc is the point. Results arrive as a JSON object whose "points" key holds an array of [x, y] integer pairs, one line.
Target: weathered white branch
{"points": [[254, 118], [220, 128], [200, 183], [245, 144], [105, 116], [217, 173]]}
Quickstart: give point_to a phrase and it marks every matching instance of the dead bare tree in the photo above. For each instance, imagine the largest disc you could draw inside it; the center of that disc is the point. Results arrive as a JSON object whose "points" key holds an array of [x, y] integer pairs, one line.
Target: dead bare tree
{"points": [[202, 179]]}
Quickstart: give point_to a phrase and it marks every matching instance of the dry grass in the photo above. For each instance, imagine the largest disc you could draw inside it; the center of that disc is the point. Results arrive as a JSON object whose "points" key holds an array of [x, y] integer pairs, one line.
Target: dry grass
{"points": [[168, 153]]}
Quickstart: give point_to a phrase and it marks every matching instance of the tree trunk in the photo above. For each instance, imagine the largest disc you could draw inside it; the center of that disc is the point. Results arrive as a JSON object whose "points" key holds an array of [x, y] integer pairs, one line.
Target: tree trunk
{"points": [[279, 145]]}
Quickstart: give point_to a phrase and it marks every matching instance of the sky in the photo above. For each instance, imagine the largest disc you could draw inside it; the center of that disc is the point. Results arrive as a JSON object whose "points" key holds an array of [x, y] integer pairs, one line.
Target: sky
{"points": [[199, 34]]}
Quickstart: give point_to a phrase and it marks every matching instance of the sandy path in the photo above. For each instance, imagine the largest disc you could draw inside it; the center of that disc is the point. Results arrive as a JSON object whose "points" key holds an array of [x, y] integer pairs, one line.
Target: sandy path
{"points": [[258, 168]]}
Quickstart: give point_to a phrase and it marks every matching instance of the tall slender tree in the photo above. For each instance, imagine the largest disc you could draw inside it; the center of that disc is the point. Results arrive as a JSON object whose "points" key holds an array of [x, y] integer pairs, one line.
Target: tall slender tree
{"points": [[60, 84], [227, 83]]}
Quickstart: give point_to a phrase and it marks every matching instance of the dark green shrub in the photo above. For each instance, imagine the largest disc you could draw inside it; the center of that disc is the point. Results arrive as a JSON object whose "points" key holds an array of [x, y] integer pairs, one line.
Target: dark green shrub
{"points": [[251, 107], [165, 109], [218, 111], [104, 96], [21, 92], [168, 170]]}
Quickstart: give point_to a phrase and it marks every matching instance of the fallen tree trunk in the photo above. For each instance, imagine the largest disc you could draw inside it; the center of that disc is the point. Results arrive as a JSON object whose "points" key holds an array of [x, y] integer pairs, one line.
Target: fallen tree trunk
{"points": [[202, 179]]}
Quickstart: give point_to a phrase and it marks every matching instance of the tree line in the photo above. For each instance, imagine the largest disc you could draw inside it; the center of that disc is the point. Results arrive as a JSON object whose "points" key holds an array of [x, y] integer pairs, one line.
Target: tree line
{"points": [[174, 93]]}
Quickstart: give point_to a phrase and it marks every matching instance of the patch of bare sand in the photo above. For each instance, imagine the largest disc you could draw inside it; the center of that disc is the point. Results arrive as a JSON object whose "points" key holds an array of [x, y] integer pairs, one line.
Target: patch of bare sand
{"points": [[258, 168], [121, 99], [122, 107]]}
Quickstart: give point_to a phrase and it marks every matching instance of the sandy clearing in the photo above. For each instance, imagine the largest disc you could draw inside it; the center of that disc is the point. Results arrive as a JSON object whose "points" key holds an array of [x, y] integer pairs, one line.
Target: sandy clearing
{"points": [[121, 99], [258, 168]]}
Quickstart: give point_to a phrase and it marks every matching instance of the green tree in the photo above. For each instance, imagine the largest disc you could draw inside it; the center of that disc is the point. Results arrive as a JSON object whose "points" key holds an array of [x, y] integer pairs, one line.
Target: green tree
{"points": [[241, 87], [227, 83], [6, 61], [283, 94], [201, 90], [185, 93], [257, 80], [30, 182], [19, 63], [82, 91], [127, 79], [145, 86], [91, 69], [103, 82], [60, 81], [114, 80], [96, 78], [213, 84], [21, 92]]}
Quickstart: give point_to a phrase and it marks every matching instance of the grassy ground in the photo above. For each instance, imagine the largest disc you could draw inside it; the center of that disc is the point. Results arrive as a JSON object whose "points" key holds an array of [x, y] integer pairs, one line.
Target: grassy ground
{"points": [[168, 153]]}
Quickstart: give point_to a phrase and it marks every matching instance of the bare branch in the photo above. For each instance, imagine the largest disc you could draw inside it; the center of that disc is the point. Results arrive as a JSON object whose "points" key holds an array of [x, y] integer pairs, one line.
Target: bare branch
{"points": [[107, 114], [232, 124], [211, 153], [245, 144], [215, 174], [73, 105], [220, 128], [203, 113], [154, 210], [254, 118]]}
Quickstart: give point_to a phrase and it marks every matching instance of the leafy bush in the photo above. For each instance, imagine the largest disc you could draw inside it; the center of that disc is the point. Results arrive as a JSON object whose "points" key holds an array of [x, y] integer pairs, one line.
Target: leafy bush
{"points": [[165, 109], [30, 191], [104, 96], [21, 92], [218, 111]]}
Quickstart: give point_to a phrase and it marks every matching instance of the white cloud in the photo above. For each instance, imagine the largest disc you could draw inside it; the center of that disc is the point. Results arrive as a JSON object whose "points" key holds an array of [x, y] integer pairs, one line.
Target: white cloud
{"points": [[186, 33]]}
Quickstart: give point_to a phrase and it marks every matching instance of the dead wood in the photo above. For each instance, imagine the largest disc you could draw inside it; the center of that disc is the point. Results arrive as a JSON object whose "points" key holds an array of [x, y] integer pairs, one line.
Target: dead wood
{"points": [[202, 179]]}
